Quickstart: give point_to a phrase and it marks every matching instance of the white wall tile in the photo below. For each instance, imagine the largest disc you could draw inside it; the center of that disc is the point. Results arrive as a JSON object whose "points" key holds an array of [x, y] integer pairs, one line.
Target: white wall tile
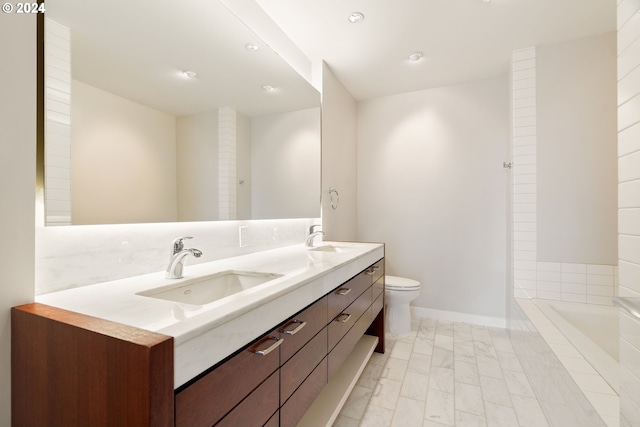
{"points": [[629, 221]]}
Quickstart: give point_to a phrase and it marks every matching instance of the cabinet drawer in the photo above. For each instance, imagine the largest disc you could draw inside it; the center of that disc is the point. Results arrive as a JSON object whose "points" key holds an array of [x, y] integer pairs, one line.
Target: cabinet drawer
{"points": [[375, 271], [208, 399], [292, 411], [258, 408], [345, 346], [377, 305], [294, 372], [345, 320], [378, 287], [296, 334], [340, 298], [274, 421]]}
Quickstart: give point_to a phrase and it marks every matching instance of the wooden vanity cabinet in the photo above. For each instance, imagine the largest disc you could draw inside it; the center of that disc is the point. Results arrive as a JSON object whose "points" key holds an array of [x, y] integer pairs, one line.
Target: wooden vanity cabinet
{"points": [[207, 399], [247, 389]]}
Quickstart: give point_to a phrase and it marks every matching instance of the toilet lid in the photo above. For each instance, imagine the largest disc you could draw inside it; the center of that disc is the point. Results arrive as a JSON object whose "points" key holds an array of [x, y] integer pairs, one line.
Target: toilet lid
{"points": [[400, 283]]}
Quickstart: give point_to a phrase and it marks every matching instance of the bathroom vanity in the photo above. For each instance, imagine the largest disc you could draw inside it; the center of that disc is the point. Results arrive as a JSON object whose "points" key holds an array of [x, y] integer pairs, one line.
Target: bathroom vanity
{"points": [[131, 352]]}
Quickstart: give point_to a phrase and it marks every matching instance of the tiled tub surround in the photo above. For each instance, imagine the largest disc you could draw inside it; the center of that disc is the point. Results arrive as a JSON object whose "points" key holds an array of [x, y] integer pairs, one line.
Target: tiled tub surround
{"points": [[306, 276], [595, 387], [456, 374], [585, 283]]}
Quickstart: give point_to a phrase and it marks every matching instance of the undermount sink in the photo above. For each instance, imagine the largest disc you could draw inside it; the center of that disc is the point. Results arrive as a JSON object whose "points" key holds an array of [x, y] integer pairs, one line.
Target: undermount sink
{"points": [[207, 289], [331, 248]]}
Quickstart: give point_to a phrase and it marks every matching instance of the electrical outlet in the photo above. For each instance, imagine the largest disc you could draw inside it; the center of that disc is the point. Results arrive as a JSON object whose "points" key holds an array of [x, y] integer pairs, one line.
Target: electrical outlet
{"points": [[243, 235]]}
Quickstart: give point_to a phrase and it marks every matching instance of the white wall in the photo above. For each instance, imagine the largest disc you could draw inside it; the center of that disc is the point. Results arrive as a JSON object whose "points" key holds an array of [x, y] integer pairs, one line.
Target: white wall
{"points": [[197, 166], [629, 204], [286, 179], [17, 181], [339, 159], [123, 167], [432, 187], [576, 151]]}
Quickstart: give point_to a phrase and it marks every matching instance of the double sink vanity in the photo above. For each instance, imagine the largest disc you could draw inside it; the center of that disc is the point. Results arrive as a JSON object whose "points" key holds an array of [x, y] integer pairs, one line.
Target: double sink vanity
{"points": [[277, 337]]}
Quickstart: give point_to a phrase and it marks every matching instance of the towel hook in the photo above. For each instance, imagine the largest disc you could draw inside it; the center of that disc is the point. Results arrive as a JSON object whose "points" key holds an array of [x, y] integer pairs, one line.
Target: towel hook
{"points": [[334, 202]]}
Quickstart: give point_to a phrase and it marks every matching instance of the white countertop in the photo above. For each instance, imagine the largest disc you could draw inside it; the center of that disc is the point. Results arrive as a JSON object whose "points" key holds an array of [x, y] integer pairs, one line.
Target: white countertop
{"points": [[206, 334]]}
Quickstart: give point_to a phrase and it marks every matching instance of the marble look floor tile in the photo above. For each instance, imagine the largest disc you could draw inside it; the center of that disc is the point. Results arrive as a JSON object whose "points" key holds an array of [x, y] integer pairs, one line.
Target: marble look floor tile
{"points": [[489, 367], [420, 363], [440, 407], [468, 398], [485, 350], [495, 390], [465, 419], [509, 362], [444, 342], [423, 345], [357, 402], [502, 344], [386, 393], [464, 352], [444, 327], [466, 372], [370, 376], [402, 350], [415, 386], [529, 412], [408, 412], [481, 334], [428, 423], [394, 369], [518, 384], [442, 358], [442, 379], [376, 416], [500, 416], [343, 421], [456, 374]]}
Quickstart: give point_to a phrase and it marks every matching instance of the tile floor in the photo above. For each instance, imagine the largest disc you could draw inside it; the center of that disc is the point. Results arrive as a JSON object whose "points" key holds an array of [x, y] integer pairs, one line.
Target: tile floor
{"points": [[455, 374]]}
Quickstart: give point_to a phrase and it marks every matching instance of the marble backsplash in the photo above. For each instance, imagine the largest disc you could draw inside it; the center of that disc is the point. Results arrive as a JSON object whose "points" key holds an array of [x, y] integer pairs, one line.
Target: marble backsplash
{"points": [[73, 256]]}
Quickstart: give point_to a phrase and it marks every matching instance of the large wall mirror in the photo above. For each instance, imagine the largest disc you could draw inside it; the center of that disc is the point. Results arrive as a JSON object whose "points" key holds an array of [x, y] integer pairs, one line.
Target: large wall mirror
{"points": [[162, 111]]}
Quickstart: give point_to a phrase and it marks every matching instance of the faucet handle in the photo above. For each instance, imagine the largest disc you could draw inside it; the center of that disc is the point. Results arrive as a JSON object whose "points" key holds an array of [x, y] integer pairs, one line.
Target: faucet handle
{"points": [[313, 227], [178, 244]]}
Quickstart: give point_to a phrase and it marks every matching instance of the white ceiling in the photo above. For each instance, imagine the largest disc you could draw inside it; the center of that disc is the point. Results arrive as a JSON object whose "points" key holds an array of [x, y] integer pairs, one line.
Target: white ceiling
{"points": [[462, 40]]}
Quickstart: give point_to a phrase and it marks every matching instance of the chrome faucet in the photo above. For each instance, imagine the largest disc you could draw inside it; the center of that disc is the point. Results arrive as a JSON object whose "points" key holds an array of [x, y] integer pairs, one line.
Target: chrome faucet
{"points": [[178, 254], [312, 234]]}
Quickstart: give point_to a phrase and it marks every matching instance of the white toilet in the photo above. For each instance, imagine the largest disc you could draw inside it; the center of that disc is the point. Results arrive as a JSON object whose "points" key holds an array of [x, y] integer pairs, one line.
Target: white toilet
{"points": [[398, 294]]}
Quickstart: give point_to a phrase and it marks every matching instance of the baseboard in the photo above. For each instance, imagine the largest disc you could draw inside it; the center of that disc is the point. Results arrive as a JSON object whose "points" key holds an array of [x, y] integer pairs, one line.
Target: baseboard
{"points": [[455, 316]]}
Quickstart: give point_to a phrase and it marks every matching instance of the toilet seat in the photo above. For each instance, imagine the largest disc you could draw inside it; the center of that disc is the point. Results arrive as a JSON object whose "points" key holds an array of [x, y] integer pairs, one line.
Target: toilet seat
{"points": [[400, 284]]}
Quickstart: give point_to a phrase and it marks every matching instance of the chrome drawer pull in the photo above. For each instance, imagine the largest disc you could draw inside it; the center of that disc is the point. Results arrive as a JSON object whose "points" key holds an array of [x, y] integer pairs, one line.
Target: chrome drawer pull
{"points": [[369, 272], [343, 291], [376, 267], [300, 324], [272, 347], [343, 318]]}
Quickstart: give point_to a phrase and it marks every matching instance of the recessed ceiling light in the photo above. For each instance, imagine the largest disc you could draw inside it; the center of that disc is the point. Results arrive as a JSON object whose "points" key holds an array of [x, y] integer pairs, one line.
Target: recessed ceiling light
{"points": [[416, 56], [486, 1], [268, 88], [189, 74], [251, 47], [356, 17]]}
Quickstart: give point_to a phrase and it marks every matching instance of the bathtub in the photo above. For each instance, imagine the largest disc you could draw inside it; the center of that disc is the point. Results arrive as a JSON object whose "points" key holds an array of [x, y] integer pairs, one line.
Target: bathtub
{"points": [[592, 329]]}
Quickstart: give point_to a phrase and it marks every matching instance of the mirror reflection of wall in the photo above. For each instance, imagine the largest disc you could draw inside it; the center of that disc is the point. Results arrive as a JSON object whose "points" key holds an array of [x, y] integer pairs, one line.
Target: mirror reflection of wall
{"points": [[111, 157], [133, 164]]}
